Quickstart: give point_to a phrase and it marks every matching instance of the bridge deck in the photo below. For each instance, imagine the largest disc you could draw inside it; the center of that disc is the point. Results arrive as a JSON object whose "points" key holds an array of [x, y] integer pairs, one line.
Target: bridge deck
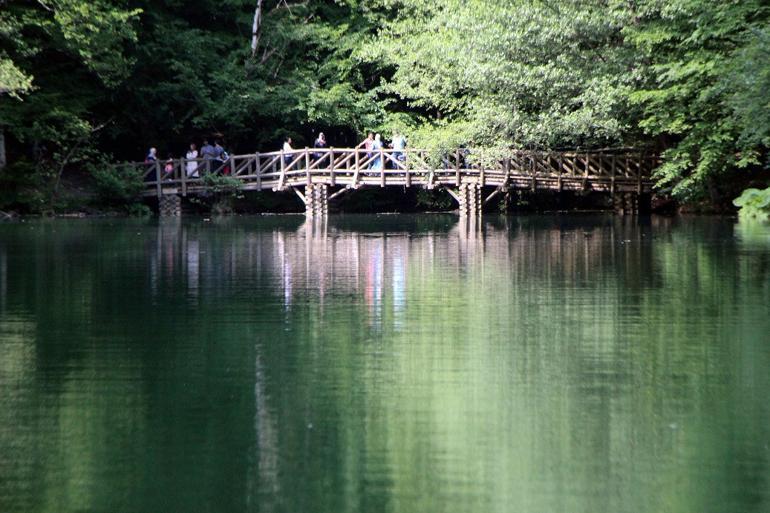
{"points": [[353, 168]]}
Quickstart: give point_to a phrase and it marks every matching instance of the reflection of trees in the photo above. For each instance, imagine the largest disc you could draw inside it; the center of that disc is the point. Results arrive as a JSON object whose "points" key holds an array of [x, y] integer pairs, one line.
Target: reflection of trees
{"points": [[405, 364]]}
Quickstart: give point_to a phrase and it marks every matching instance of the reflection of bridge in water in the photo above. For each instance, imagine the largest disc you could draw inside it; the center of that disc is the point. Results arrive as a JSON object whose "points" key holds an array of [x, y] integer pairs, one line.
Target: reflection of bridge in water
{"points": [[321, 257], [320, 175]]}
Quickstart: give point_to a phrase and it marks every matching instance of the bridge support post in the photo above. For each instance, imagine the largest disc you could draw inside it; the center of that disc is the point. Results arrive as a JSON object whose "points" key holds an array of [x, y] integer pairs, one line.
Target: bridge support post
{"points": [[316, 200], [170, 205], [469, 198], [631, 203]]}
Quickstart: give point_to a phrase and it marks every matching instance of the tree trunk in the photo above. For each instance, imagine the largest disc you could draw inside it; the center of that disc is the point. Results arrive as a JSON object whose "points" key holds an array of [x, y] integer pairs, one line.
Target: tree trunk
{"points": [[255, 28], [2, 149]]}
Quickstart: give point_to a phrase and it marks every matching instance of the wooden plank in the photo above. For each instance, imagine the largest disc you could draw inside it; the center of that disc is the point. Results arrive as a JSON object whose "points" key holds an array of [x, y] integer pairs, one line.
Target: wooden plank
{"points": [[184, 176], [301, 196], [382, 167], [408, 172], [533, 172], [482, 174], [338, 193], [157, 179], [332, 179], [506, 170], [282, 178], [258, 170], [358, 167], [491, 196], [612, 175], [458, 180], [307, 167]]}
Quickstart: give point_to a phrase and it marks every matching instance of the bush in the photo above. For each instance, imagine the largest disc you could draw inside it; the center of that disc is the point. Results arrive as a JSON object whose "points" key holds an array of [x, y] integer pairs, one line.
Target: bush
{"points": [[754, 204], [221, 184], [118, 186]]}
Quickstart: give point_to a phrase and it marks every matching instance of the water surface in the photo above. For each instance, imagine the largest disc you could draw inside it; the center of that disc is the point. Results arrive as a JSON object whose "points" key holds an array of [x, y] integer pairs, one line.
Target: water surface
{"points": [[384, 364]]}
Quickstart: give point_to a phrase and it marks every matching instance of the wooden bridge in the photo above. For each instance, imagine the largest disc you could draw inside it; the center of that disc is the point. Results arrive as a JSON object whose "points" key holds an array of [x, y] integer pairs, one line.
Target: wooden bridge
{"points": [[318, 176]]}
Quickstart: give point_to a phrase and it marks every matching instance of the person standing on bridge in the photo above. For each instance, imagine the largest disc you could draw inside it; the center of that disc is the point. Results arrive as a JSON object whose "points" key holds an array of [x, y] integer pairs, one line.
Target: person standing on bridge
{"points": [[320, 142], [152, 156], [287, 149], [209, 154], [376, 147], [367, 145], [220, 157], [192, 166], [398, 144]]}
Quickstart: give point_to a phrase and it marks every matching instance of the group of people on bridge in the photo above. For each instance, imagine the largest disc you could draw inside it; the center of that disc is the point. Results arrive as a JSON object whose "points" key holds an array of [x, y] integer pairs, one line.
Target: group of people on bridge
{"points": [[372, 144], [216, 159]]}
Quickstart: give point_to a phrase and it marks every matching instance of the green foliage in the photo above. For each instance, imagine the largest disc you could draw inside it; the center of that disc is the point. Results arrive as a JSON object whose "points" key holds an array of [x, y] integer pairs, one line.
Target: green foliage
{"points": [[21, 187], [434, 199], [98, 77], [754, 203], [222, 184], [703, 87], [138, 210], [13, 81], [121, 185], [61, 57], [502, 73]]}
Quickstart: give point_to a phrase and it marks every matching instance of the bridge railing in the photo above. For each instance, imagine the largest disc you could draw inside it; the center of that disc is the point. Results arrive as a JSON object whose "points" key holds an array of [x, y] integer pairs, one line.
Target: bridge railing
{"points": [[358, 166]]}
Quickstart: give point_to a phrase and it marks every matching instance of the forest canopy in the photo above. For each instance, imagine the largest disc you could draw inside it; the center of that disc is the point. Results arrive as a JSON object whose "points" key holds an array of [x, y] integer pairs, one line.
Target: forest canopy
{"points": [[86, 82]]}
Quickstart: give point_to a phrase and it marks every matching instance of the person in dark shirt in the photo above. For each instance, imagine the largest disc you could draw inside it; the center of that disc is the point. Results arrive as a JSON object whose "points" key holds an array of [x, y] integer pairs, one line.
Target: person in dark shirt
{"points": [[320, 142], [208, 151]]}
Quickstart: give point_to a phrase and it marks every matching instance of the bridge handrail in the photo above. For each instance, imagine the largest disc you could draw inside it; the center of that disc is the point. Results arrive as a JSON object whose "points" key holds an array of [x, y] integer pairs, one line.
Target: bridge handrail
{"points": [[407, 151], [353, 166]]}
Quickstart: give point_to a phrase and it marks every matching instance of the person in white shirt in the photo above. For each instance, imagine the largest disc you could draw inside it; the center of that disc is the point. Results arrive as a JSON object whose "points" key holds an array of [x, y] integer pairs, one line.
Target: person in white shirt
{"points": [[287, 149], [192, 166]]}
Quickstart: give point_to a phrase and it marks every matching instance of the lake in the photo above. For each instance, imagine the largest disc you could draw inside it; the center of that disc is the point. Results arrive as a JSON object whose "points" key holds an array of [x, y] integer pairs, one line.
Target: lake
{"points": [[385, 364]]}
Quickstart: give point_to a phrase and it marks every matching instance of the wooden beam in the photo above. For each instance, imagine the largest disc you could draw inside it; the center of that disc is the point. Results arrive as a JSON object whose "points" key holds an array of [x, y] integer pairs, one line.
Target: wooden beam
{"points": [[301, 196], [494, 193], [452, 193], [282, 178], [184, 176], [157, 179], [382, 167], [258, 171], [339, 193], [458, 180], [358, 167]]}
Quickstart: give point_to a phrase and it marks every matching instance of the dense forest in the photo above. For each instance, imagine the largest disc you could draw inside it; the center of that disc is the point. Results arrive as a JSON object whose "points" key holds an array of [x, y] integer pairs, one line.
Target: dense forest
{"points": [[86, 82]]}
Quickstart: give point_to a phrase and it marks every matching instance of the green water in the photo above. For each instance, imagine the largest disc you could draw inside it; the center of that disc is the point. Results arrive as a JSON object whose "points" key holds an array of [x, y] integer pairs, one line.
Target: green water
{"points": [[385, 364]]}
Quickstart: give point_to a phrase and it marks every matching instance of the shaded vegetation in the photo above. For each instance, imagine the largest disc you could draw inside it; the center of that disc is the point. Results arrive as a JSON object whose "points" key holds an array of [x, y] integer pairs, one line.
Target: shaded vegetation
{"points": [[84, 81]]}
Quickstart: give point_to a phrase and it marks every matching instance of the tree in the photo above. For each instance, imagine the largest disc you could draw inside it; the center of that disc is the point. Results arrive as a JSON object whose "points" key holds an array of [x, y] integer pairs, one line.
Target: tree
{"points": [[529, 74], [706, 69], [65, 56]]}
